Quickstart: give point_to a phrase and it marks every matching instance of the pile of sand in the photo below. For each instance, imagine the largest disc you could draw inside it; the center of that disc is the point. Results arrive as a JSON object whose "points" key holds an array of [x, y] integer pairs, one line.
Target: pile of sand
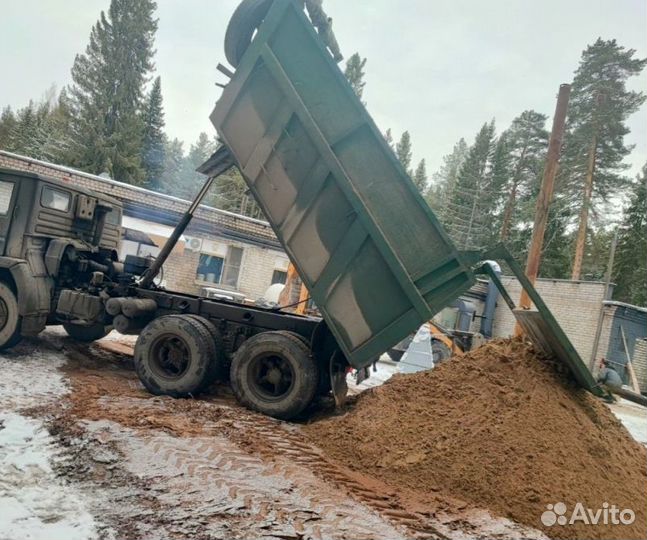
{"points": [[501, 429]]}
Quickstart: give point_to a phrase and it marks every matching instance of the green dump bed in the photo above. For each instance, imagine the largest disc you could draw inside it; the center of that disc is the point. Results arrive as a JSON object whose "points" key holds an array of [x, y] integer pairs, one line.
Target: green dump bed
{"points": [[373, 256]]}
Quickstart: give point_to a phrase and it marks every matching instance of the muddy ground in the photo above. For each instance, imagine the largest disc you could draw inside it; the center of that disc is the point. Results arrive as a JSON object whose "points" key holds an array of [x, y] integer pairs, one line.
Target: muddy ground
{"points": [[86, 452]]}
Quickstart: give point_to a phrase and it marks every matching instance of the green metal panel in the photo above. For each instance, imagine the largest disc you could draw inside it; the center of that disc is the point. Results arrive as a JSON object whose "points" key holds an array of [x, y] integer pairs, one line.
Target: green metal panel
{"points": [[539, 324], [372, 254]]}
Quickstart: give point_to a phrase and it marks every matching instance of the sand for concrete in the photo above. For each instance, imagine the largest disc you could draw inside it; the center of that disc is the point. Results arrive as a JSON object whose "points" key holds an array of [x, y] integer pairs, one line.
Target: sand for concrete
{"points": [[501, 428]]}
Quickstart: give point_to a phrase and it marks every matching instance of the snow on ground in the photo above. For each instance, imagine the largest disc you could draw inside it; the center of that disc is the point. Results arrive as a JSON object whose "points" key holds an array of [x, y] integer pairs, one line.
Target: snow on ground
{"points": [[634, 418], [34, 503]]}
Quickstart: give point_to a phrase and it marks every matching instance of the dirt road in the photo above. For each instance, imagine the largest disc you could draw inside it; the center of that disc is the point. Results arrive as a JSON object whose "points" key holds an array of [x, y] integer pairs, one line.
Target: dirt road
{"points": [[86, 453]]}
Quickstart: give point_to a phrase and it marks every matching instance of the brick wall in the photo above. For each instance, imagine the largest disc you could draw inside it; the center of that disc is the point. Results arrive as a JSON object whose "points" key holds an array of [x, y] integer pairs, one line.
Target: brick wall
{"points": [[257, 267], [575, 305]]}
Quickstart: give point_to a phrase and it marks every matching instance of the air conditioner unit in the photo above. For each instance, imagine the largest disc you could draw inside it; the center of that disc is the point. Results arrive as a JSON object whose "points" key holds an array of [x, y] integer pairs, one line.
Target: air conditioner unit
{"points": [[193, 244]]}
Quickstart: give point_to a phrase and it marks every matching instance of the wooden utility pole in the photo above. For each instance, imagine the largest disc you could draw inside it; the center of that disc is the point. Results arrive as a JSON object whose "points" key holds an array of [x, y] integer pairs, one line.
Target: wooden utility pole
{"points": [[545, 197], [587, 194]]}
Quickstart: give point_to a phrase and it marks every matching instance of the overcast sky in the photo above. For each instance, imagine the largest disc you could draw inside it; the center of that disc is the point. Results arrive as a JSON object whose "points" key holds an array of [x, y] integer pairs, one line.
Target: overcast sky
{"points": [[439, 68]]}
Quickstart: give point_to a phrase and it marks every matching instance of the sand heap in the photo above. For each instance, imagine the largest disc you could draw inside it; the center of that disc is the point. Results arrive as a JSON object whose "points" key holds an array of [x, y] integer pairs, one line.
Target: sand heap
{"points": [[500, 428]]}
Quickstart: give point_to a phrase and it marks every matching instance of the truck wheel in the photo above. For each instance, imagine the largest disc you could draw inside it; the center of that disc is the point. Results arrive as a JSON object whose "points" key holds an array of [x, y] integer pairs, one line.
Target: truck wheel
{"points": [[86, 334], [173, 356], [243, 23], [217, 351], [10, 319], [273, 373]]}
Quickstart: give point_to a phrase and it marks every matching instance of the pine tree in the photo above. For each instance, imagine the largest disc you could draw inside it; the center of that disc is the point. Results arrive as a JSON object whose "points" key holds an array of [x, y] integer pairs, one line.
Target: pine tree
{"points": [[56, 140], [190, 181], [444, 179], [355, 74], [171, 180], [403, 151], [420, 176], [26, 136], [7, 126], [526, 146], [556, 252], [630, 268], [470, 201], [232, 194], [153, 145], [495, 181], [600, 104], [107, 95], [596, 254], [388, 137]]}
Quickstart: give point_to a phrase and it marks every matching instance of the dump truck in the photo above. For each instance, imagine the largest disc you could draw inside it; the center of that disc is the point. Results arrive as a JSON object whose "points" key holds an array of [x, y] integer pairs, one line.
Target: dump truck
{"points": [[373, 256]]}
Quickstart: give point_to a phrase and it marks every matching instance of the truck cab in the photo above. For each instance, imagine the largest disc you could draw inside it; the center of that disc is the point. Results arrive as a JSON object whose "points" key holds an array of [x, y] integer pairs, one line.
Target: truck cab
{"points": [[53, 237]]}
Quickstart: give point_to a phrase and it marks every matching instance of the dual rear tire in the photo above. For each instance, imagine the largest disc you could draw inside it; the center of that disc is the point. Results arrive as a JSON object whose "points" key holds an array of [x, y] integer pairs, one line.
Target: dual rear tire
{"points": [[272, 372], [176, 355]]}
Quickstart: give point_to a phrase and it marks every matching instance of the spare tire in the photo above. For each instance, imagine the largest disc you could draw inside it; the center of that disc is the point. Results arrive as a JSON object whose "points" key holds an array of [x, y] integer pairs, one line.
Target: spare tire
{"points": [[246, 19]]}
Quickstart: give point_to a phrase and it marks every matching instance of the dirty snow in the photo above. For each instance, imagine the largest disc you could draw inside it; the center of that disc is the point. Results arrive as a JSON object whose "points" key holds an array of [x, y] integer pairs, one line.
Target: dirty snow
{"points": [[633, 417], [34, 503]]}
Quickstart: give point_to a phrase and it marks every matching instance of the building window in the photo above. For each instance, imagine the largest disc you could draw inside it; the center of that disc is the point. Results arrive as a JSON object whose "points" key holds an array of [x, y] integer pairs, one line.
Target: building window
{"points": [[279, 276], [219, 270], [55, 199]]}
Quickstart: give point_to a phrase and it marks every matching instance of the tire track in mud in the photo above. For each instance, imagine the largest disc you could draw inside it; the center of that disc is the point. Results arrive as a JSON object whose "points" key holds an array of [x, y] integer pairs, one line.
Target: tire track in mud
{"points": [[281, 447], [253, 495], [271, 438], [289, 443], [167, 444]]}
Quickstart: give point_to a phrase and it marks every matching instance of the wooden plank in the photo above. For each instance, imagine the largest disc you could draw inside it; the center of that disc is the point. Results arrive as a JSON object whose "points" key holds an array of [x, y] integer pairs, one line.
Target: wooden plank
{"points": [[630, 367]]}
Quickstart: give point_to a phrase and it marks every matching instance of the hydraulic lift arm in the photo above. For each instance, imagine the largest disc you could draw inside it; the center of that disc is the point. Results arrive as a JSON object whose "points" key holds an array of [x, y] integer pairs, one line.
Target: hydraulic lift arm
{"points": [[220, 162]]}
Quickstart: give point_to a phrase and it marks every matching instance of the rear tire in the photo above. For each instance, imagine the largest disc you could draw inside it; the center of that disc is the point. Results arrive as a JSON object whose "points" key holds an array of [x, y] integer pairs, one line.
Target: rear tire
{"points": [[243, 23], [273, 373], [10, 318], [86, 334], [173, 356], [217, 371]]}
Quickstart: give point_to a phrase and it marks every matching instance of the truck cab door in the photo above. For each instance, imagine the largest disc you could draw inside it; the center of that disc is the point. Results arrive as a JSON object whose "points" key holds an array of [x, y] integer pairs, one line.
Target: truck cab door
{"points": [[8, 193]]}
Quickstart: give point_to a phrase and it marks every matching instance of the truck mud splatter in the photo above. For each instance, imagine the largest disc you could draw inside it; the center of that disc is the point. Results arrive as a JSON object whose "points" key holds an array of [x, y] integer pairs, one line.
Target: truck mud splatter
{"points": [[499, 427]]}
